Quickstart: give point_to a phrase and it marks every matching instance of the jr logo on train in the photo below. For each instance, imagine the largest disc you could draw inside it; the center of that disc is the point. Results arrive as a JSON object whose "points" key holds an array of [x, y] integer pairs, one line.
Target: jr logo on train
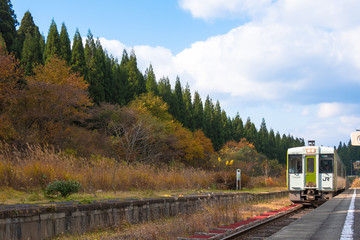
{"points": [[314, 173]]}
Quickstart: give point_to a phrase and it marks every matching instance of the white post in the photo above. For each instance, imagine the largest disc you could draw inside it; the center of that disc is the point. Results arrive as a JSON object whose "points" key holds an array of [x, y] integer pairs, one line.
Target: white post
{"points": [[238, 179]]}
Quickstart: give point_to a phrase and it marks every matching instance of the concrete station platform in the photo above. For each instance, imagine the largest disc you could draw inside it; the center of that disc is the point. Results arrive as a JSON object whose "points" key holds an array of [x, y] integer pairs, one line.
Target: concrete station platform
{"points": [[338, 218]]}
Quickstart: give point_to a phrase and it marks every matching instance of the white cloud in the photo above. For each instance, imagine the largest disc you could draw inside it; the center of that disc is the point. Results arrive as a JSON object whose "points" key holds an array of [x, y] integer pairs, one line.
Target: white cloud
{"points": [[349, 124], [331, 110], [331, 14], [301, 52], [210, 9], [114, 47], [161, 59], [263, 60], [328, 110]]}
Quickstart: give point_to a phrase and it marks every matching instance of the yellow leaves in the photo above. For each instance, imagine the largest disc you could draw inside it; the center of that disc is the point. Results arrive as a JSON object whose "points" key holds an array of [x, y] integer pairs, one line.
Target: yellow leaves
{"points": [[229, 163], [153, 104], [165, 195], [222, 164], [56, 72], [56, 91]]}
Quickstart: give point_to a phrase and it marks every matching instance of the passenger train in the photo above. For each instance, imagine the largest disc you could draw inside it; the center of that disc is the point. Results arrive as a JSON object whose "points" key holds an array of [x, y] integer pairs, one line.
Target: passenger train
{"points": [[314, 173]]}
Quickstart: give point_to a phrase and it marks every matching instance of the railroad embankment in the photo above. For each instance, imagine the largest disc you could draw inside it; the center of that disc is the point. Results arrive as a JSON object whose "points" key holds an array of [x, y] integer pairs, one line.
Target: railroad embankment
{"points": [[42, 221]]}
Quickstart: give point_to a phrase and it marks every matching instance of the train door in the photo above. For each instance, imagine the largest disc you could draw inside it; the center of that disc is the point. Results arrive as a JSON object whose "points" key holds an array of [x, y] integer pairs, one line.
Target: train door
{"points": [[310, 171]]}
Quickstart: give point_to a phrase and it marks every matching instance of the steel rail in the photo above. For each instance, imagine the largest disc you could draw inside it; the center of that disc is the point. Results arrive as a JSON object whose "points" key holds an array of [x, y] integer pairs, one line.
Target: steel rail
{"points": [[262, 223]]}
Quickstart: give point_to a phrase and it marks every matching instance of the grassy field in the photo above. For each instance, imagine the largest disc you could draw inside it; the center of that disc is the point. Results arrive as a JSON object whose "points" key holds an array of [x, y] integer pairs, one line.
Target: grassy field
{"points": [[11, 196]]}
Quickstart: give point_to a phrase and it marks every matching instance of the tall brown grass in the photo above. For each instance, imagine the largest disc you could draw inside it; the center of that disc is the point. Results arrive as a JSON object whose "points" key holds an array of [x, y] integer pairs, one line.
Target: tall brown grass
{"points": [[34, 166]]}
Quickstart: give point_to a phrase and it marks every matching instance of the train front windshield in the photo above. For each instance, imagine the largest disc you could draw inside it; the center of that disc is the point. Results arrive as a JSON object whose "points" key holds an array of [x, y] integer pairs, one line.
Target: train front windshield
{"points": [[326, 163], [295, 163]]}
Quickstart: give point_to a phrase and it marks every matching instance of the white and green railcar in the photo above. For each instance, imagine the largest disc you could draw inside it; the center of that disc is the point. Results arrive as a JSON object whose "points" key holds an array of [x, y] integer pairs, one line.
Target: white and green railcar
{"points": [[314, 173]]}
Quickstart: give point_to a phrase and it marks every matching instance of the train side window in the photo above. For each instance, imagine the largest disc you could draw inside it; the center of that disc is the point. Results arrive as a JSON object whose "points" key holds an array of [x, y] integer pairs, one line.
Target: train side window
{"points": [[326, 163], [295, 164]]}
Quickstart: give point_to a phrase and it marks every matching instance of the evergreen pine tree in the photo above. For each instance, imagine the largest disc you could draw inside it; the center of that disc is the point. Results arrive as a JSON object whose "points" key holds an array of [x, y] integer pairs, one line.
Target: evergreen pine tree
{"points": [[29, 39], [238, 128], [119, 84], [208, 118], [8, 24], [284, 145], [151, 85], [52, 46], [31, 53], [108, 76], [124, 59], [217, 128], [278, 146], [2, 42], [263, 139], [95, 64], [226, 126], [272, 145], [27, 26], [42, 47], [179, 106], [189, 110], [77, 55], [65, 48], [165, 93], [251, 132], [198, 112], [136, 80]]}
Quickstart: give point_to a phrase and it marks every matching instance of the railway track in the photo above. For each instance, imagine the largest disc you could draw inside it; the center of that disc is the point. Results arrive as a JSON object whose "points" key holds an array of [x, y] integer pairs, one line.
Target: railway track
{"points": [[267, 228], [264, 226]]}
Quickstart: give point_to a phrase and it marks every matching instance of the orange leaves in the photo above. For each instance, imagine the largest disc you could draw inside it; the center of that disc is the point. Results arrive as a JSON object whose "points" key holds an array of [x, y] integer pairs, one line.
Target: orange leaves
{"points": [[196, 146], [50, 100], [10, 75], [186, 146], [56, 72], [57, 92]]}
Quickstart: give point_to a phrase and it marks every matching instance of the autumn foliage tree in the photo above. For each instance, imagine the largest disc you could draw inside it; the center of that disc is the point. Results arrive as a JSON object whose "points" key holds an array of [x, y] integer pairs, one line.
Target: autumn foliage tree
{"points": [[11, 77], [53, 99], [169, 136]]}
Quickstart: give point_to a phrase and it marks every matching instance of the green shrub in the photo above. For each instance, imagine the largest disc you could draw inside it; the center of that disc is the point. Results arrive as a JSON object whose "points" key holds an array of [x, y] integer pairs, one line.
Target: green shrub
{"points": [[65, 188]]}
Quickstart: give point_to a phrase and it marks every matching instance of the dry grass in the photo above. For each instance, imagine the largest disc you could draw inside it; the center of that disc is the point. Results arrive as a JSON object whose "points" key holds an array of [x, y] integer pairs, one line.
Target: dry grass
{"points": [[34, 167], [185, 225], [356, 183], [24, 173]]}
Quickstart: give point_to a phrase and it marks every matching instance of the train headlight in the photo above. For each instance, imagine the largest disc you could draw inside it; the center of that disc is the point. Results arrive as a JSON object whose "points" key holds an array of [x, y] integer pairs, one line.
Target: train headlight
{"points": [[310, 150]]}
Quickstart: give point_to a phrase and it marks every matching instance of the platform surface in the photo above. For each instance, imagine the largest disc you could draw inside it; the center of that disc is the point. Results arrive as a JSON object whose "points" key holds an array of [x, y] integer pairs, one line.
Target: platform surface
{"points": [[335, 219]]}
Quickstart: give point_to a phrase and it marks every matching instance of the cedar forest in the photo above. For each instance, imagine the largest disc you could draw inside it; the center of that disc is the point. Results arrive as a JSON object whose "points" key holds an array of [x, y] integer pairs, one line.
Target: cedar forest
{"points": [[79, 101]]}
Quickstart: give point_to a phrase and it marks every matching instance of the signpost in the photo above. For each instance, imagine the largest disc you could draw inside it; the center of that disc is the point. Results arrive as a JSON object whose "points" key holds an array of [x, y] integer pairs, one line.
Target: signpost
{"points": [[238, 179]]}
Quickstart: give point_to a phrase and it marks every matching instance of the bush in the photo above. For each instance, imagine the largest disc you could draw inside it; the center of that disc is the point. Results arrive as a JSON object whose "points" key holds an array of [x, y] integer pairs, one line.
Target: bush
{"points": [[65, 188]]}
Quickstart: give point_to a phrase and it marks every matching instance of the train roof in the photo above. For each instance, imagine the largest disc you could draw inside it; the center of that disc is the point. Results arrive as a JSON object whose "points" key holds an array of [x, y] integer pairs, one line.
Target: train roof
{"points": [[318, 150]]}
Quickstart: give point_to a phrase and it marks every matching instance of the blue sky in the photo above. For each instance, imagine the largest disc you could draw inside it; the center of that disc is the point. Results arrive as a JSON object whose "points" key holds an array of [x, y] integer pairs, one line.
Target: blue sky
{"points": [[136, 22], [295, 63]]}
